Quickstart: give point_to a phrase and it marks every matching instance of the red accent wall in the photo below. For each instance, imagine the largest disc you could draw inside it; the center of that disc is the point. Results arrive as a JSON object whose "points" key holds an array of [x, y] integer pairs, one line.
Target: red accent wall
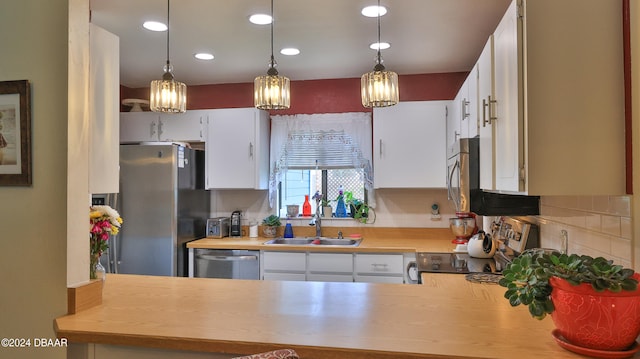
{"points": [[315, 96]]}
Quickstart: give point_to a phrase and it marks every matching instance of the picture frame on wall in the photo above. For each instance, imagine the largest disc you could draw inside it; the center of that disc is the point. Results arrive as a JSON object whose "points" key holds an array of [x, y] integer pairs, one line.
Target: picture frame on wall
{"points": [[15, 133]]}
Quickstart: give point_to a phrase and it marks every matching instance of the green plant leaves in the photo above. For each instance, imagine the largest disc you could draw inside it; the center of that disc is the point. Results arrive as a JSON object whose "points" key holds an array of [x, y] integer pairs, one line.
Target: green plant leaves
{"points": [[527, 277]]}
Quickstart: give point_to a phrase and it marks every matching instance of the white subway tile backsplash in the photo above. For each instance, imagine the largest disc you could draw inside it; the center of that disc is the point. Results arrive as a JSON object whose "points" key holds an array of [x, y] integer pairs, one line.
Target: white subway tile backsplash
{"points": [[597, 225], [626, 227], [611, 225]]}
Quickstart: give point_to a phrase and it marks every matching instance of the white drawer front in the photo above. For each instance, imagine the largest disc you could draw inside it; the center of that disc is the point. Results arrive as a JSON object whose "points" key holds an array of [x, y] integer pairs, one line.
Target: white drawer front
{"points": [[284, 261], [331, 262], [379, 264]]}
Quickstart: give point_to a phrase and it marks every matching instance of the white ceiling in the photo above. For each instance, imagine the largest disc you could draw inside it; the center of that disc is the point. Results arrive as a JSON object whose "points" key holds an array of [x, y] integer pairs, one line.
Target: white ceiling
{"points": [[426, 36]]}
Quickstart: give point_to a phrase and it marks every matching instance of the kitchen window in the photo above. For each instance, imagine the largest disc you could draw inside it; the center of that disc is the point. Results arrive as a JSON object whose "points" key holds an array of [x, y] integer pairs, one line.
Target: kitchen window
{"points": [[296, 184], [321, 152]]}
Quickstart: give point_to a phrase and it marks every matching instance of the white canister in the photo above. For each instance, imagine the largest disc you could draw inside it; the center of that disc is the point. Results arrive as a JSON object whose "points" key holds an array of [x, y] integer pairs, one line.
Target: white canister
{"points": [[253, 228]]}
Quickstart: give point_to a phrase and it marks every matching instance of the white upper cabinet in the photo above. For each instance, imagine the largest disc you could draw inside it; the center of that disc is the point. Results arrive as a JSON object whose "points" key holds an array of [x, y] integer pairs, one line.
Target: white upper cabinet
{"points": [[462, 120], [409, 145], [151, 126], [559, 127], [188, 127], [104, 97], [237, 149], [486, 99]]}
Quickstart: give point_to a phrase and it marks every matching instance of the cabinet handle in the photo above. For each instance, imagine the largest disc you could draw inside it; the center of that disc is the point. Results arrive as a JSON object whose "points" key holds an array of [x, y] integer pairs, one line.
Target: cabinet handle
{"points": [[487, 104], [465, 113], [380, 148], [160, 125], [250, 149], [379, 267]]}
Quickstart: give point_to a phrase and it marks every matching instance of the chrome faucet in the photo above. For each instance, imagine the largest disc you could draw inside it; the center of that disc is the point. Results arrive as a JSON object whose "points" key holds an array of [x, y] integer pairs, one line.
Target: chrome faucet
{"points": [[317, 219]]}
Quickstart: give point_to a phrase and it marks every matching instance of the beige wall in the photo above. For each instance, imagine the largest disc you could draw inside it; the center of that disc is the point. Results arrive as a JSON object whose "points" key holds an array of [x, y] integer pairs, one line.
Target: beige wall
{"points": [[33, 243]]}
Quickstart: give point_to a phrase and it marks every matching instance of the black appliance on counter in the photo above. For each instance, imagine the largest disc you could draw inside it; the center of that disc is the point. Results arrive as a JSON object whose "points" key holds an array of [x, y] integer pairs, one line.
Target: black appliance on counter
{"points": [[512, 236]]}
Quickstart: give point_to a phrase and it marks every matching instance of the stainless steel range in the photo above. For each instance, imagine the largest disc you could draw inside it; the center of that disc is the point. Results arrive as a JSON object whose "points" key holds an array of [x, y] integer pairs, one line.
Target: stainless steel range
{"points": [[512, 235]]}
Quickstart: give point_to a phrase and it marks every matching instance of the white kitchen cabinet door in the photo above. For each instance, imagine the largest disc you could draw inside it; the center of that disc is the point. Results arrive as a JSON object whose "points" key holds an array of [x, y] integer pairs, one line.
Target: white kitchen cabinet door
{"points": [[237, 149], [470, 122], [152, 126], [454, 131], [290, 266], [379, 268], [104, 97], [183, 127], [139, 126], [509, 154], [330, 263], [486, 97], [409, 147]]}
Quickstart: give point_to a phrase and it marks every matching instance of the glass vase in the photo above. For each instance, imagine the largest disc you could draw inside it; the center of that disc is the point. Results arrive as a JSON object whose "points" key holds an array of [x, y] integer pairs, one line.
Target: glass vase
{"points": [[100, 272]]}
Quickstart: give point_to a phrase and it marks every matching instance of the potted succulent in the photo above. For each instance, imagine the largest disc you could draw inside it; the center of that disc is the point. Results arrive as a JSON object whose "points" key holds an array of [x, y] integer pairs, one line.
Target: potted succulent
{"points": [[594, 303], [271, 224]]}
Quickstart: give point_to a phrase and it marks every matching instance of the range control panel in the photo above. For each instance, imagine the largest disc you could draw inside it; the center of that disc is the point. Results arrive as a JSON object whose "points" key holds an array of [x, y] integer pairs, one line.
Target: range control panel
{"points": [[515, 234]]}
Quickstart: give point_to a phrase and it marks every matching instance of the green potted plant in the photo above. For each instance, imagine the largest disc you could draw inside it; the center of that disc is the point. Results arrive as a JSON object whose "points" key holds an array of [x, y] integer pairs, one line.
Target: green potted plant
{"points": [[594, 303], [270, 225], [359, 209]]}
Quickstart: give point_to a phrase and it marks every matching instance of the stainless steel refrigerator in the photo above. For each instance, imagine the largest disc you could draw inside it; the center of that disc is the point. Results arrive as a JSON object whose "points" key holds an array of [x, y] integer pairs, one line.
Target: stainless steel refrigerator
{"points": [[164, 205]]}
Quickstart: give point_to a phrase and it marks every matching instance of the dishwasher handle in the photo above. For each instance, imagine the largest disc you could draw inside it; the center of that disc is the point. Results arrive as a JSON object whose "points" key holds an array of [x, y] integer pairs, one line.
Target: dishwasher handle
{"points": [[226, 258]]}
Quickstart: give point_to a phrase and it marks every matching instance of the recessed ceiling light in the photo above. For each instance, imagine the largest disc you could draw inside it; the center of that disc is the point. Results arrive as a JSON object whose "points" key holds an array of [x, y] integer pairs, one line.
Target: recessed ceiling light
{"points": [[260, 19], [290, 51], [203, 56], [382, 45], [374, 11], [154, 26]]}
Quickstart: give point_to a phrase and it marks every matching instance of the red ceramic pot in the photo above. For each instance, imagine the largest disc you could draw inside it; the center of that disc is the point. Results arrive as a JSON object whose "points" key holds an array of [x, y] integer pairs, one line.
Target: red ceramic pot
{"points": [[596, 320]]}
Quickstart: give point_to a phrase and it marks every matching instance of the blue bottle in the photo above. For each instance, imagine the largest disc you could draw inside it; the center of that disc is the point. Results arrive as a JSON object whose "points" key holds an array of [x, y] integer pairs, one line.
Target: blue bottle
{"points": [[341, 208], [288, 231]]}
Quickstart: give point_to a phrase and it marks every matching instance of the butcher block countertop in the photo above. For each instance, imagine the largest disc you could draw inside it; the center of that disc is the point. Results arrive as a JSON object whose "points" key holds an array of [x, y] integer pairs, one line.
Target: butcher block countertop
{"points": [[387, 240], [446, 317]]}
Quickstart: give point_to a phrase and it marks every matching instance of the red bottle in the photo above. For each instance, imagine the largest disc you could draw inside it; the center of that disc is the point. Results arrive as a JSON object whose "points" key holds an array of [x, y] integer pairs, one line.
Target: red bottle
{"points": [[306, 207]]}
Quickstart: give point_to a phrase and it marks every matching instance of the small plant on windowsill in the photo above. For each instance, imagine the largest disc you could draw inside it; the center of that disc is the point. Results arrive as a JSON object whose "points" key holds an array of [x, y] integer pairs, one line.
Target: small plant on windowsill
{"points": [[578, 292], [360, 210], [326, 207]]}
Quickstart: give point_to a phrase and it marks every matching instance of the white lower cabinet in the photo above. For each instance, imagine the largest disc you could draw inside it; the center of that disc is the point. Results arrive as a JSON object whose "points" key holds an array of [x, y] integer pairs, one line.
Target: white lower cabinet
{"points": [[379, 268], [330, 267], [284, 266], [333, 267]]}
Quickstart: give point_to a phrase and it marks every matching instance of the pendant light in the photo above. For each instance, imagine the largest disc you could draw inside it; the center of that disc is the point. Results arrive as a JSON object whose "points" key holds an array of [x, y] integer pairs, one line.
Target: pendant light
{"points": [[271, 92], [379, 88], [168, 95]]}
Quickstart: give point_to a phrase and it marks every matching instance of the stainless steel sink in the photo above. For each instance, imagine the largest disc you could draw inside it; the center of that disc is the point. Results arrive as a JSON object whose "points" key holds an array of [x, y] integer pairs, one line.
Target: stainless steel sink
{"points": [[314, 241]]}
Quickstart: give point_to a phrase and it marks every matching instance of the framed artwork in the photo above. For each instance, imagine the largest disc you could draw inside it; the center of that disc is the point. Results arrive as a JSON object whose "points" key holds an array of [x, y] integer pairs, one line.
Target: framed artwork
{"points": [[15, 133]]}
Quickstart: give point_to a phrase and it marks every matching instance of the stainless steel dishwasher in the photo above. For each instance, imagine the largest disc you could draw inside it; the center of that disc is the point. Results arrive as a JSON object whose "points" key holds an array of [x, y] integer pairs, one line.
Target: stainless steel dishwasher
{"points": [[227, 263]]}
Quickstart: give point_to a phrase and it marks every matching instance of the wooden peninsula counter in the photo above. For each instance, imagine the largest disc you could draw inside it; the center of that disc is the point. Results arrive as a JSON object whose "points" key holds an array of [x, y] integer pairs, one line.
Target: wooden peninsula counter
{"points": [[446, 317]]}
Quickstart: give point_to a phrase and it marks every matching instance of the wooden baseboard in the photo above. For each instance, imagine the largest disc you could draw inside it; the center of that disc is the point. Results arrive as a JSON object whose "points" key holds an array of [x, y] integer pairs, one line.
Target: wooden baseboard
{"points": [[84, 296]]}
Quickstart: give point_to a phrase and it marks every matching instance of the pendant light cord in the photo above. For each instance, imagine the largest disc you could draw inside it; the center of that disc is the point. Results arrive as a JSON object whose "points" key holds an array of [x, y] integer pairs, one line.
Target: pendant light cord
{"points": [[272, 20], [167, 35], [379, 60]]}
